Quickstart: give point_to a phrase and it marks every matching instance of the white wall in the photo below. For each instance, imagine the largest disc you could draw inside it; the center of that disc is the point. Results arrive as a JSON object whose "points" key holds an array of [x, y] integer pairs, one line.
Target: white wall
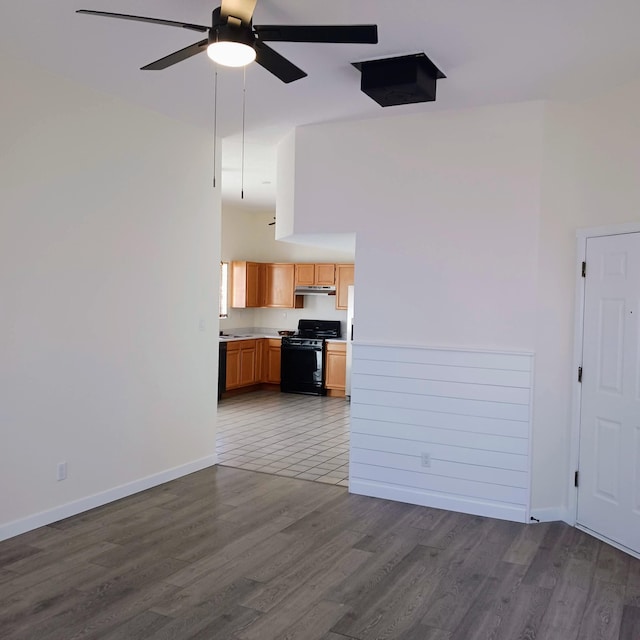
{"points": [[445, 207], [446, 210], [467, 221], [249, 236], [286, 186], [109, 238], [590, 178], [553, 316], [608, 157]]}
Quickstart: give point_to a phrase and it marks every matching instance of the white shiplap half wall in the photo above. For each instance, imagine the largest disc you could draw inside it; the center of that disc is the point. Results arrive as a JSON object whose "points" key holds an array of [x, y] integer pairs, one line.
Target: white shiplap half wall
{"points": [[445, 428]]}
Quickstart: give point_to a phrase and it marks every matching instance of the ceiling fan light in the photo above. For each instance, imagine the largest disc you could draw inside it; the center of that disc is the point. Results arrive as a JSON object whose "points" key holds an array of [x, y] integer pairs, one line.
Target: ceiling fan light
{"points": [[231, 54]]}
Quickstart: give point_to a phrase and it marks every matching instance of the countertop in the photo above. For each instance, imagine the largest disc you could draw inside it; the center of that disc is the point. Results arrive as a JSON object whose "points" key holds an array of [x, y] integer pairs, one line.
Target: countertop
{"points": [[234, 337]]}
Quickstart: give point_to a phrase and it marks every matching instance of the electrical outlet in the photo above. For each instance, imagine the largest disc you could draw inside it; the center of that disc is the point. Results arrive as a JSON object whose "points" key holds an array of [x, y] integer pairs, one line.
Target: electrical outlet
{"points": [[426, 459], [62, 471]]}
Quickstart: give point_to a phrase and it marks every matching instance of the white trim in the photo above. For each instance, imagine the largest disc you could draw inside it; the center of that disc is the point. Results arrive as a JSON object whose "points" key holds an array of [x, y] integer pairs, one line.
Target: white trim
{"points": [[613, 543], [43, 518], [576, 387], [514, 513], [608, 230], [530, 432]]}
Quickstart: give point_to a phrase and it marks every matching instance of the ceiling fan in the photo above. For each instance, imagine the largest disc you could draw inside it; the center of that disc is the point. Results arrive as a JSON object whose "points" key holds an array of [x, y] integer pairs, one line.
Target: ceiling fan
{"points": [[233, 39]]}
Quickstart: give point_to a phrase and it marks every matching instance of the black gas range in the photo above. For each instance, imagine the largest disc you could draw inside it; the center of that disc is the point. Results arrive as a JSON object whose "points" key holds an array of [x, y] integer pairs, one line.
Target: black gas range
{"points": [[303, 356]]}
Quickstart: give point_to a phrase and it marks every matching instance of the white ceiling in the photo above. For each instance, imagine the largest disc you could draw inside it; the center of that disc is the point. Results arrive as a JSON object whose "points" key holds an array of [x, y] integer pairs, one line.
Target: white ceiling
{"points": [[491, 51]]}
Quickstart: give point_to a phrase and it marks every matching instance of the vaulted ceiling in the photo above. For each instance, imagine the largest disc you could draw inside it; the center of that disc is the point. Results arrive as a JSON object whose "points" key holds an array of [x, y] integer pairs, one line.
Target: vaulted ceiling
{"points": [[491, 51]]}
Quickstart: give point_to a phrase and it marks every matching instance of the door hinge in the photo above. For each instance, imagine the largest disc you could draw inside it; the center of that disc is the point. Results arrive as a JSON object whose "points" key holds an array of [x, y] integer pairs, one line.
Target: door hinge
{"points": [[575, 479], [579, 374], [584, 269]]}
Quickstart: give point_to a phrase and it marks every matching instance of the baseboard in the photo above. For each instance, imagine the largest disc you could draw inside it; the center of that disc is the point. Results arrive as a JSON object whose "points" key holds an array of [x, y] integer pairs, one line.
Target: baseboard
{"points": [[552, 514], [44, 518], [471, 506]]}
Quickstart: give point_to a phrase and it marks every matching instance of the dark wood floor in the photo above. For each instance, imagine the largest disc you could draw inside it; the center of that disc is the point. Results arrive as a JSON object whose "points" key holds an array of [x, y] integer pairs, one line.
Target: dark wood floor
{"points": [[233, 554]]}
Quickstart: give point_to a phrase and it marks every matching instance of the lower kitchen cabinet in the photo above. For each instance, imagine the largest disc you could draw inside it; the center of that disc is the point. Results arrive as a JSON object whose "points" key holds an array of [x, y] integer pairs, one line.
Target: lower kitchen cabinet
{"points": [[336, 366], [242, 363], [233, 368], [271, 361], [252, 361]]}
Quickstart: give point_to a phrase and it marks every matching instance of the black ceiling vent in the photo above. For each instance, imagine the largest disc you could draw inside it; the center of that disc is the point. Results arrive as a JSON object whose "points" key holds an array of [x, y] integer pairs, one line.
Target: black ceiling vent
{"points": [[400, 80]]}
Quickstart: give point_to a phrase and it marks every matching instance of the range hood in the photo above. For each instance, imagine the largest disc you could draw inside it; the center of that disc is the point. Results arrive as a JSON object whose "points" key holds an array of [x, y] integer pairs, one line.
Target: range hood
{"points": [[315, 290]]}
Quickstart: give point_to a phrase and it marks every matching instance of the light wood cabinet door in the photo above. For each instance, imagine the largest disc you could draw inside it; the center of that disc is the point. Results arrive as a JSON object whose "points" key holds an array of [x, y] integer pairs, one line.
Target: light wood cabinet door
{"points": [[336, 363], [242, 363], [255, 284], [315, 274], [247, 284], [233, 366], [305, 275], [280, 285], [248, 359], [344, 277], [271, 361], [325, 274]]}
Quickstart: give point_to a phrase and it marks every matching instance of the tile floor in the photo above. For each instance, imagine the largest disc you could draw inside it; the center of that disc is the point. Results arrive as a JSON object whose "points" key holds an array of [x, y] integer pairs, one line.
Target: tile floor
{"points": [[285, 434]]}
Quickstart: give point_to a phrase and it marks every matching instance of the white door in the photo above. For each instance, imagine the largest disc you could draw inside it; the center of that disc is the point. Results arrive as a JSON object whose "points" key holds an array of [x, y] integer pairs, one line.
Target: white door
{"points": [[609, 470]]}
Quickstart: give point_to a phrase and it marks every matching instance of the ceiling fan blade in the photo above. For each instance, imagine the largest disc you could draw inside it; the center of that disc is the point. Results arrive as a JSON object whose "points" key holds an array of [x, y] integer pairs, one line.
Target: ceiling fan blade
{"points": [[241, 9], [355, 33], [124, 16], [275, 63], [177, 56]]}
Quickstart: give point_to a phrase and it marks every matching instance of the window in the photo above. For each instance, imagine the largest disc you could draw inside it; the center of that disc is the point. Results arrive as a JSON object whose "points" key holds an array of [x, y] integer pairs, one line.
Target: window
{"points": [[223, 311]]}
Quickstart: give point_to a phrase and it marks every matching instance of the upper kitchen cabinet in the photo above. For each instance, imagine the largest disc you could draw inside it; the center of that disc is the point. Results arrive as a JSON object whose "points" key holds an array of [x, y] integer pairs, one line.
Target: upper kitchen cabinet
{"points": [[247, 284], [344, 278], [255, 284], [325, 274], [305, 275], [315, 274], [279, 289]]}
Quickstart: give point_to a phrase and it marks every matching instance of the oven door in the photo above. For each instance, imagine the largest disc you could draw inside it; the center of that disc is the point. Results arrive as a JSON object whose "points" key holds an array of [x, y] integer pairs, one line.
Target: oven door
{"points": [[302, 369]]}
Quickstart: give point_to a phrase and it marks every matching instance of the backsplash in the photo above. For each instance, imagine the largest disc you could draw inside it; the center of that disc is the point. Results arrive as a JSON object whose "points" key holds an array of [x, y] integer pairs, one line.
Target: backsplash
{"points": [[315, 307]]}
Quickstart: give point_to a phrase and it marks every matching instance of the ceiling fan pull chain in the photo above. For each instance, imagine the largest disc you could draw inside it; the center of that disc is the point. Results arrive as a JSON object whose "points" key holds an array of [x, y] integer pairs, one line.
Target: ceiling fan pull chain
{"points": [[244, 114], [215, 124]]}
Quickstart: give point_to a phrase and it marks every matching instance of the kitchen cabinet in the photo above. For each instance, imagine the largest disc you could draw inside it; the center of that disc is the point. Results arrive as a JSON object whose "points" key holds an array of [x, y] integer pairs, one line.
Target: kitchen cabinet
{"points": [[233, 367], [336, 366], [271, 360], [279, 289], [242, 363], [257, 284], [305, 275], [247, 284], [344, 277], [325, 274], [251, 362], [315, 274]]}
